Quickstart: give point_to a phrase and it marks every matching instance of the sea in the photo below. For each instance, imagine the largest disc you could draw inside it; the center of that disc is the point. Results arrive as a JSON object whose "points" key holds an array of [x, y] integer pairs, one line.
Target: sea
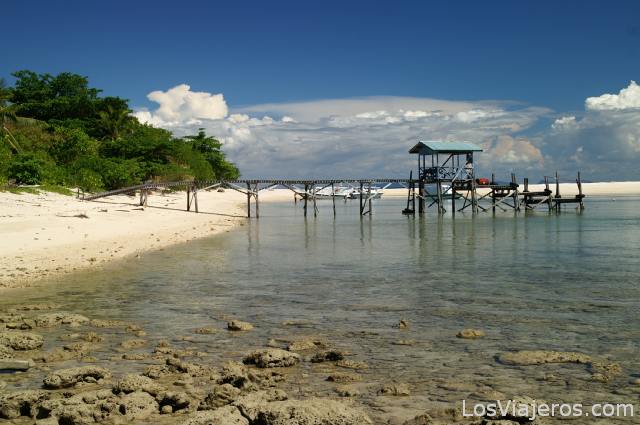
{"points": [[535, 280]]}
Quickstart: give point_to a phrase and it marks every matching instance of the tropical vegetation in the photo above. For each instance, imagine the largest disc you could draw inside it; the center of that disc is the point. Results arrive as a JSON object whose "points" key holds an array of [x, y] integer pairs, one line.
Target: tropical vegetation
{"points": [[59, 131]]}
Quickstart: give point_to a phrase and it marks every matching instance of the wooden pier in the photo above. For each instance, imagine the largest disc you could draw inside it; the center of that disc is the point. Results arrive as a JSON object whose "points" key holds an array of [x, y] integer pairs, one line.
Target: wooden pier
{"points": [[304, 190], [445, 172]]}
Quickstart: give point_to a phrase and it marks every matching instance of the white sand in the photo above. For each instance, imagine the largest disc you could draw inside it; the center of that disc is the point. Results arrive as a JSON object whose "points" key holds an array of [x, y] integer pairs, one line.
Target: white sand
{"points": [[609, 189], [42, 235]]}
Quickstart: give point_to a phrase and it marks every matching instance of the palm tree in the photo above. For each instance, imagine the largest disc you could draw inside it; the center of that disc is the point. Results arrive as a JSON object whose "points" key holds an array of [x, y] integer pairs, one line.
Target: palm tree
{"points": [[113, 120], [7, 115]]}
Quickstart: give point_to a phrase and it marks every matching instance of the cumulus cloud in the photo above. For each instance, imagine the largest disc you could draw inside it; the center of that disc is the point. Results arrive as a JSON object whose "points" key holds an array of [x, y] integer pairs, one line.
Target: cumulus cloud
{"points": [[604, 141], [180, 105], [627, 98], [355, 140], [563, 123], [371, 136]]}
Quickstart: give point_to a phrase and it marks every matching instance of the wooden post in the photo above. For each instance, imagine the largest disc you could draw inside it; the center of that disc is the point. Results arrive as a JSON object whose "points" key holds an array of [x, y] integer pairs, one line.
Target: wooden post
{"points": [[546, 189], [315, 208], [257, 201], [420, 196], [143, 197], [453, 200], [579, 181], [188, 198], [195, 198], [361, 207], [306, 196], [558, 205], [413, 197], [333, 198], [248, 200], [439, 193], [516, 199], [370, 200]]}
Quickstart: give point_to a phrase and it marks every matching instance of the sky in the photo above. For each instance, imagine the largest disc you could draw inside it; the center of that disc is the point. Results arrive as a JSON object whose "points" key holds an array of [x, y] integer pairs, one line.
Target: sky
{"points": [[329, 89]]}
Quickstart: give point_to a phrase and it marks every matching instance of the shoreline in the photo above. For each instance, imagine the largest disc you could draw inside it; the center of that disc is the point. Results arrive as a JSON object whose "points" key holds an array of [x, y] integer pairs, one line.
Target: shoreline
{"points": [[48, 234]]}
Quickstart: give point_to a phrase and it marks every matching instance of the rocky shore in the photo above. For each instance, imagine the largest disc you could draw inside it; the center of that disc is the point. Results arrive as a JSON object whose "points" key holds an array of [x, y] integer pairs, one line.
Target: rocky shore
{"points": [[64, 368]]}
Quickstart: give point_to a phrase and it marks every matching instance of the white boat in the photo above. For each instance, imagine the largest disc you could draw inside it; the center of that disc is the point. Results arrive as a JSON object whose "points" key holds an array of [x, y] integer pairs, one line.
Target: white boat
{"points": [[376, 193], [335, 192]]}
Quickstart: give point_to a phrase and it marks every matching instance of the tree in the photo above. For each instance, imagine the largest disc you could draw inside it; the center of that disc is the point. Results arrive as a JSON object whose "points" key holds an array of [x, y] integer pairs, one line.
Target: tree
{"points": [[210, 147], [60, 131], [44, 97], [112, 121], [7, 115]]}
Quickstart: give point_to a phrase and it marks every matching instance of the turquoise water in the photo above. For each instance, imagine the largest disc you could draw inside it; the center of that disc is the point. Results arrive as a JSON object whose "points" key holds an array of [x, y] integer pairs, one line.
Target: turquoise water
{"points": [[564, 282]]}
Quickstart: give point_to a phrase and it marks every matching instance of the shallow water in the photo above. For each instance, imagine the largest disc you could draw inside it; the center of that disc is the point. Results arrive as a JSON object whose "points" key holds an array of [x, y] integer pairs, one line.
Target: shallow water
{"points": [[564, 282]]}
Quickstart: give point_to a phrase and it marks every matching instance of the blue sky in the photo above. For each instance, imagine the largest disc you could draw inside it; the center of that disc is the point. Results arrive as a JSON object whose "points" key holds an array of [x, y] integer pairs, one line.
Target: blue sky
{"points": [[268, 57]]}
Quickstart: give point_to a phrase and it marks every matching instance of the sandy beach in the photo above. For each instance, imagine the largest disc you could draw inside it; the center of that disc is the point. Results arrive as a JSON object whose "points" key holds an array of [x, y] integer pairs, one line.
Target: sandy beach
{"points": [[48, 233]]}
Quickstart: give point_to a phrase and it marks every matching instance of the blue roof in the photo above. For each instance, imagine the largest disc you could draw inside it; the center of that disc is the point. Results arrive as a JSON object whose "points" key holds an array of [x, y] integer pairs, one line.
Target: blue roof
{"points": [[439, 146]]}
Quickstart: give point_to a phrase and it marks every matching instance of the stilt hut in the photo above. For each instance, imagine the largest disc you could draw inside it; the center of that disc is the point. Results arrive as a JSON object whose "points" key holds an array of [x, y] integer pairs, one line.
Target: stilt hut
{"points": [[449, 167]]}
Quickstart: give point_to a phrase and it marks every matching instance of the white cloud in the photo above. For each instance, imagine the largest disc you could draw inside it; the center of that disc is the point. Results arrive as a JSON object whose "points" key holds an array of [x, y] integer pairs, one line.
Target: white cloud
{"points": [[604, 142], [627, 98], [371, 136], [367, 141], [180, 105], [477, 114], [564, 123]]}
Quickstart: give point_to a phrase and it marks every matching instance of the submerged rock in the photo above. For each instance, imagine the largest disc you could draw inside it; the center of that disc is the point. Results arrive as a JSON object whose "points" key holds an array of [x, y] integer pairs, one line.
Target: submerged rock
{"points": [[347, 391], [341, 377], [404, 342], [305, 344], [193, 369], [602, 371], [251, 404], [133, 343], [536, 357], [471, 334], [21, 403], [316, 411], [178, 400], [13, 364], [219, 396], [227, 415], [57, 355], [21, 341], [351, 364], [272, 357], [48, 320], [403, 324], [205, 331], [68, 377], [237, 325], [138, 405], [395, 390], [327, 356], [132, 383], [80, 409]]}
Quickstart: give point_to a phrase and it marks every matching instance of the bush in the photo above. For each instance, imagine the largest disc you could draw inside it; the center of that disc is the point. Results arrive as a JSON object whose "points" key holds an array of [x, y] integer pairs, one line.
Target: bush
{"points": [[29, 168], [88, 180]]}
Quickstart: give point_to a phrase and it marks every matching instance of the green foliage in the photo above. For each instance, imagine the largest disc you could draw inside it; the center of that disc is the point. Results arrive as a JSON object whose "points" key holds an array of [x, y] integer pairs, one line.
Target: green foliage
{"points": [[32, 168], [71, 144], [210, 149], [88, 180], [59, 131]]}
